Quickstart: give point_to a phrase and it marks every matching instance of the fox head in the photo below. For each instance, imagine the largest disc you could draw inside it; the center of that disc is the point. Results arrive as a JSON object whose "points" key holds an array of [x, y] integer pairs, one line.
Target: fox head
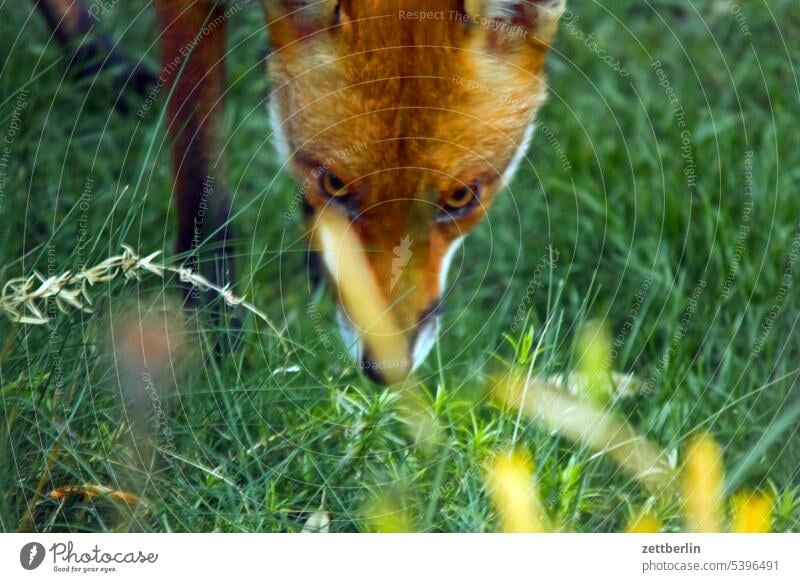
{"points": [[405, 118]]}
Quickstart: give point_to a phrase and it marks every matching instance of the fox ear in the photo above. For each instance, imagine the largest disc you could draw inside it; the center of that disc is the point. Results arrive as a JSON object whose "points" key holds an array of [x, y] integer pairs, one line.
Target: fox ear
{"points": [[508, 21], [291, 20]]}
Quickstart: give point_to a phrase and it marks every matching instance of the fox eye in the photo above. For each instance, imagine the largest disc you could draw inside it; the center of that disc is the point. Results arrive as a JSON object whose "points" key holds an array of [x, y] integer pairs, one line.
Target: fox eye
{"points": [[333, 186], [462, 199]]}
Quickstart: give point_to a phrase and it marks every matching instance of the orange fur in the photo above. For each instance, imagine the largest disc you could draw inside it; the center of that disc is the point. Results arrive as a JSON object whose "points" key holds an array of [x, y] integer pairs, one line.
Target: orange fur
{"points": [[436, 104]]}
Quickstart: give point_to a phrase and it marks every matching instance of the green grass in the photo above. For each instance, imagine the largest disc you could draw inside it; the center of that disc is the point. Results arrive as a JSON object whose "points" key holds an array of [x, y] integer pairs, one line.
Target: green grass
{"points": [[257, 451]]}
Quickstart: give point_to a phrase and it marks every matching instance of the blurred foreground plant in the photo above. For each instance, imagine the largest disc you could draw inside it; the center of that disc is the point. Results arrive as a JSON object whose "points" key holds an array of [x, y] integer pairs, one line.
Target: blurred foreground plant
{"points": [[514, 493], [511, 483]]}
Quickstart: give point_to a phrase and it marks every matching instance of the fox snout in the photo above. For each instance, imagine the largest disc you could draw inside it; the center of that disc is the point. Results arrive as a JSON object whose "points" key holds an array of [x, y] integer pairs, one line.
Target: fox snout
{"points": [[392, 371], [389, 300], [418, 339]]}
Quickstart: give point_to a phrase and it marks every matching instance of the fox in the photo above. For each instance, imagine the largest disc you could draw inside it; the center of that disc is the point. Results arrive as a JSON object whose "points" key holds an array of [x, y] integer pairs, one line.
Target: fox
{"points": [[406, 117]]}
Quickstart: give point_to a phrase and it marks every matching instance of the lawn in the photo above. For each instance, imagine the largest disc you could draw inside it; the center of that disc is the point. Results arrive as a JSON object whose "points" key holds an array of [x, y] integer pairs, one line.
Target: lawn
{"points": [[657, 208]]}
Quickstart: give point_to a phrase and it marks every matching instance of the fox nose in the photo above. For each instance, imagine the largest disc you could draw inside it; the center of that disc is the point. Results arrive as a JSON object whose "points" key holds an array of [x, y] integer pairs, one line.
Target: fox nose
{"points": [[374, 370], [384, 372]]}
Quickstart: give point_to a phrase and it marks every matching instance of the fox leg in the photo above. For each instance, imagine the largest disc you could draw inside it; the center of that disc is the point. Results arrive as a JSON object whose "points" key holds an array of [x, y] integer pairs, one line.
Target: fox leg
{"points": [[70, 21], [192, 35]]}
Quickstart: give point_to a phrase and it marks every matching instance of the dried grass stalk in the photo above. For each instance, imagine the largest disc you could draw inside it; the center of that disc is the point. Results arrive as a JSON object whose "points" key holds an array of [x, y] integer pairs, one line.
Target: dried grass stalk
{"points": [[25, 299]]}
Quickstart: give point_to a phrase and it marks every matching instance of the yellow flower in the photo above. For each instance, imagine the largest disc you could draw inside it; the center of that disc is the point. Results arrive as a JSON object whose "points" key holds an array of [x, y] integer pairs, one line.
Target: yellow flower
{"points": [[644, 523], [751, 513], [511, 485], [702, 485]]}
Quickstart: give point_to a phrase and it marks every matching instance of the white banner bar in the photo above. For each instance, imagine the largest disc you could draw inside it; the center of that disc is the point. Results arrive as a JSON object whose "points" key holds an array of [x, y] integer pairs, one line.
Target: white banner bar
{"points": [[414, 557]]}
